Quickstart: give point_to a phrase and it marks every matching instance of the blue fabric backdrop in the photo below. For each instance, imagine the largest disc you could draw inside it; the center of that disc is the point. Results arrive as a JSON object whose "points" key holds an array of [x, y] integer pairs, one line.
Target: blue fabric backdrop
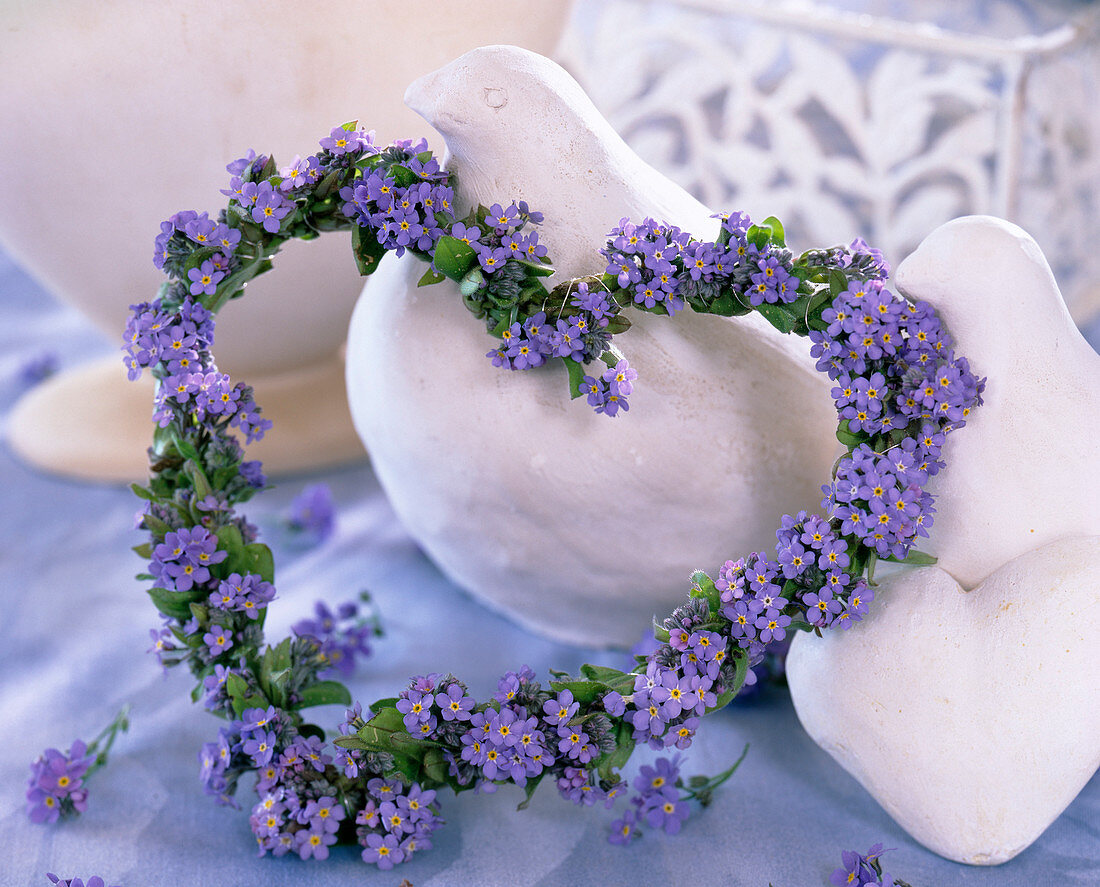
{"points": [[73, 634]]}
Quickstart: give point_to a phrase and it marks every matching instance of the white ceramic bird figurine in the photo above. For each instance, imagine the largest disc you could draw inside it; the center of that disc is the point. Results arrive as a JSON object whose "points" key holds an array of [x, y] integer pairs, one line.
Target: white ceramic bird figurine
{"points": [[968, 702], [577, 525]]}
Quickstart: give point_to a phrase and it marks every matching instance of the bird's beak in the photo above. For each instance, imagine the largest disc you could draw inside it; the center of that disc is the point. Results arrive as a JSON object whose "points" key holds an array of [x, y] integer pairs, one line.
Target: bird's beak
{"points": [[422, 96]]}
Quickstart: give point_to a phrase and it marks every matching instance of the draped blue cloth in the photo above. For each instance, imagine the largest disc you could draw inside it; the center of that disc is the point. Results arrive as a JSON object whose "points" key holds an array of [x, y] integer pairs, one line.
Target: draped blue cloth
{"points": [[74, 628]]}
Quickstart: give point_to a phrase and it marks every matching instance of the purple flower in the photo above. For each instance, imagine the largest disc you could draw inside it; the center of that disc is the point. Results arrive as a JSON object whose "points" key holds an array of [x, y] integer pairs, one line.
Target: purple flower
{"points": [[417, 709], [341, 141], [218, 640], [491, 258], [260, 747], [772, 625], [454, 704], [467, 234], [665, 813], [205, 279], [612, 404], [620, 378], [660, 779], [561, 709], [383, 851], [858, 870], [614, 704], [503, 219], [623, 830], [313, 512], [93, 881], [56, 785], [311, 842], [270, 208], [821, 607]]}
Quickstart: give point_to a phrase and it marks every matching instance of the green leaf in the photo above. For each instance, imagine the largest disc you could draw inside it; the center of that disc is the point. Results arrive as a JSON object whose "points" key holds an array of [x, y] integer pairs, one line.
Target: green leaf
{"points": [[612, 678], [385, 730], [453, 258], [838, 282], [601, 673], [776, 226], [327, 185], [703, 586], [324, 693], [778, 316], [144, 550], [259, 560], [914, 559], [758, 235], [846, 437], [351, 742], [584, 692], [576, 377], [431, 276], [620, 323], [236, 688], [609, 765], [176, 604], [434, 768], [185, 448], [366, 249], [268, 168], [726, 305], [199, 481], [403, 176], [142, 493], [231, 542], [660, 632], [199, 256], [529, 791], [155, 525], [536, 269]]}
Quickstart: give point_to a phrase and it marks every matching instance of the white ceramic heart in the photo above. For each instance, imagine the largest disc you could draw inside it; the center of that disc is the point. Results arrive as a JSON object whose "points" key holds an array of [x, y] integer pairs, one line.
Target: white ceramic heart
{"points": [[972, 716], [577, 525], [1026, 470]]}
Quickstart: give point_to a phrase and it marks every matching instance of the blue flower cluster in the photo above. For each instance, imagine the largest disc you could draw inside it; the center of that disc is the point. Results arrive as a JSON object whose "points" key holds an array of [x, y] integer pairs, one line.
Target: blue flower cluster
{"points": [[809, 580], [342, 637], [580, 336], [410, 216], [191, 387], [682, 680], [899, 391], [658, 802], [902, 389], [56, 784], [396, 821], [524, 733], [298, 810], [892, 362], [501, 241], [660, 264], [861, 869], [184, 558], [93, 881]]}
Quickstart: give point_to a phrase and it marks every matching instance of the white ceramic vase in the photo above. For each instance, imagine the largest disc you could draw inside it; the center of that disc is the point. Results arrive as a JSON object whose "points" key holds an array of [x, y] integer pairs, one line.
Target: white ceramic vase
{"points": [[968, 702], [117, 114], [576, 525]]}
